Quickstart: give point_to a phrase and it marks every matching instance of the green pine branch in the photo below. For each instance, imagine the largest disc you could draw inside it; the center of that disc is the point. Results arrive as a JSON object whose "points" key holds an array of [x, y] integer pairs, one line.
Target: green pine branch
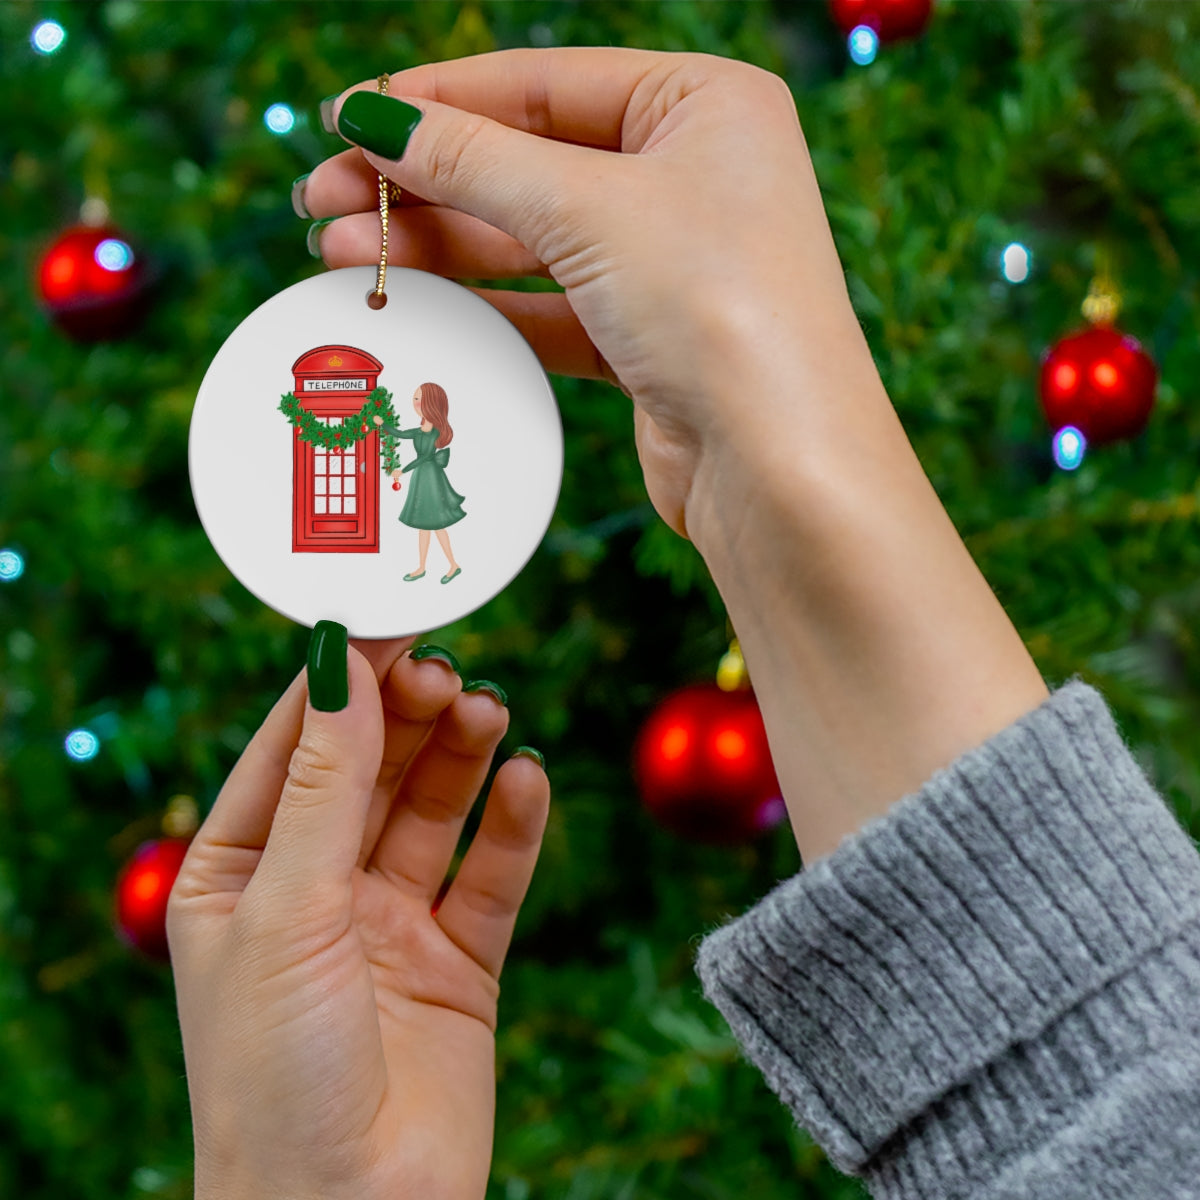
{"points": [[352, 429]]}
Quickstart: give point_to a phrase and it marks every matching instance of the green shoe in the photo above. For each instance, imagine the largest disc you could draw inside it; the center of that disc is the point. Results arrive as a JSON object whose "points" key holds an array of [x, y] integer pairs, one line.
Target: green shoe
{"points": [[456, 571], [418, 575]]}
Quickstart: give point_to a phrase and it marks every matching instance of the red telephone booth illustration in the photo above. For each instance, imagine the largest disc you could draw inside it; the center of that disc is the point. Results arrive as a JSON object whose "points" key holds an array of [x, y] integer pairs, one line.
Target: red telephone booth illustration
{"points": [[335, 493]]}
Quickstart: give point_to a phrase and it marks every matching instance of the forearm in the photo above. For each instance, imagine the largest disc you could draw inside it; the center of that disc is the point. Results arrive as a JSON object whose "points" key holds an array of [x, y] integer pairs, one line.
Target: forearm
{"points": [[877, 650]]}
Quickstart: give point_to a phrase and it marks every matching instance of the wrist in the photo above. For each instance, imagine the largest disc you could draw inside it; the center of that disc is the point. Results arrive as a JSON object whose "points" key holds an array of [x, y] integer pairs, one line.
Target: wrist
{"points": [[877, 650], [794, 422]]}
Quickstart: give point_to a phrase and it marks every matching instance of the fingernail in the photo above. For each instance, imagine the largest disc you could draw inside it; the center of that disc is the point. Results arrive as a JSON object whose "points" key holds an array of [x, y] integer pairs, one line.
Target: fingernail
{"points": [[486, 685], [328, 672], [427, 651], [313, 239], [530, 752], [378, 123], [298, 205], [326, 111]]}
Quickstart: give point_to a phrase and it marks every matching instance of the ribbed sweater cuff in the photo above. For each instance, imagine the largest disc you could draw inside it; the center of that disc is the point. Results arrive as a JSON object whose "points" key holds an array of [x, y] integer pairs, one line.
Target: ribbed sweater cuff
{"points": [[956, 961]]}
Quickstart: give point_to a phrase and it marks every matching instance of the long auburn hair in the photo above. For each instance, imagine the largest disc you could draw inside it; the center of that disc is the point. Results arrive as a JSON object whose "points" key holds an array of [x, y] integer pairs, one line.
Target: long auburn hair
{"points": [[435, 408]]}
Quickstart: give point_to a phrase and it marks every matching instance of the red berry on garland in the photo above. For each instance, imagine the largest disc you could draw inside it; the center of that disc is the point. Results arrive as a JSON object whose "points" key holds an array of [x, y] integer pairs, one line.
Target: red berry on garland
{"points": [[93, 284], [142, 891], [892, 20], [704, 768], [1101, 381]]}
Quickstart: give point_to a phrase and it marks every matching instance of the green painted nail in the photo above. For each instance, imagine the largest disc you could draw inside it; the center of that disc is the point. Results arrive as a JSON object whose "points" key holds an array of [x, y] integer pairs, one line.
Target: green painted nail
{"points": [[486, 685], [298, 205], [530, 752], [427, 651], [328, 672], [378, 123], [313, 239], [326, 111]]}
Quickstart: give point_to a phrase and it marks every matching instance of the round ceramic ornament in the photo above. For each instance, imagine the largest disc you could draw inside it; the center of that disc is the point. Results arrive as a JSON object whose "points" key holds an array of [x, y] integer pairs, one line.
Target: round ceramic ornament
{"points": [[337, 448]]}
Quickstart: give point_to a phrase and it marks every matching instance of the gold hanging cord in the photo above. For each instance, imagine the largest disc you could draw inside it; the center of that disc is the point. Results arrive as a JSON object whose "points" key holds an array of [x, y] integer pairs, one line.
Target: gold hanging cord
{"points": [[389, 193]]}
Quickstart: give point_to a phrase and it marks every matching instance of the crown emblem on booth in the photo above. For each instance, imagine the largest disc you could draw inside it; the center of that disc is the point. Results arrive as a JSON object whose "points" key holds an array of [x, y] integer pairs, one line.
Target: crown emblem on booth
{"points": [[335, 360]]}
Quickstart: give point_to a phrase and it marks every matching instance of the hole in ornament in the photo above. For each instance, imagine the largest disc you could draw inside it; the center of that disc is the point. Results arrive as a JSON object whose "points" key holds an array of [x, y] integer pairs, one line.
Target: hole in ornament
{"points": [[376, 300]]}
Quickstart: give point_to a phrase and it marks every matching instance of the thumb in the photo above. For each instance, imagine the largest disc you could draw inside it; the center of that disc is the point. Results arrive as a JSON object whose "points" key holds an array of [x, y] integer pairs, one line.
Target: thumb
{"points": [[318, 828], [515, 181]]}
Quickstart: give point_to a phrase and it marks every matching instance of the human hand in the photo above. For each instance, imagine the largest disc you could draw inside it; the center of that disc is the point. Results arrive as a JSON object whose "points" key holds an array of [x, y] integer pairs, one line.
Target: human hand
{"points": [[673, 198], [377, 419], [338, 1034], [696, 252]]}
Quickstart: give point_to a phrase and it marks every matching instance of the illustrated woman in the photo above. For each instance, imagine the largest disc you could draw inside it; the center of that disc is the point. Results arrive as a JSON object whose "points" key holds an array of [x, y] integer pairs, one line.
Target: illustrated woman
{"points": [[432, 503]]}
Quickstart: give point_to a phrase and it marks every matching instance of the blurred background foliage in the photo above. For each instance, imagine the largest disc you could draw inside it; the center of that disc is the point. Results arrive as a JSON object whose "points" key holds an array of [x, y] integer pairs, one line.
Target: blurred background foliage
{"points": [[1068, 127]]}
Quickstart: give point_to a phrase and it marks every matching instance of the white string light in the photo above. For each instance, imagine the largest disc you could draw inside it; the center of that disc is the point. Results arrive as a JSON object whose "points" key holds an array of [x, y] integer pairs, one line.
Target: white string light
{"points": [[12, 565], [47, 37]]}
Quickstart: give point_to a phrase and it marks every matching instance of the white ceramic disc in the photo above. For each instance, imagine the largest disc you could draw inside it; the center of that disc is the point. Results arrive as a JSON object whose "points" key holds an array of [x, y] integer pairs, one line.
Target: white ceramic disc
{"points": [[319, 533]]}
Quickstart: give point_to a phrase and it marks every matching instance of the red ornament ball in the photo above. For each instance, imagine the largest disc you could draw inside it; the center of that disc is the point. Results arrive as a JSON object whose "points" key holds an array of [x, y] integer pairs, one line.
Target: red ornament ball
{"points": [[93, 284], [395, 485], [892, 20], [1101, 381], [142, 891], [704, 769], [364, 428]]}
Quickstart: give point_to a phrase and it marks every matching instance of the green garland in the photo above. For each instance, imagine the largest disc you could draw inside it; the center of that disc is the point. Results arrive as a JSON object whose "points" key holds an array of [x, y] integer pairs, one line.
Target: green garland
{"points": [[340, 437]]}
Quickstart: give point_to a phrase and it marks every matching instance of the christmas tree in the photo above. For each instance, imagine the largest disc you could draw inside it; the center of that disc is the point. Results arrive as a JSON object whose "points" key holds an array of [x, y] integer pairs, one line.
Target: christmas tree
{"points": [[978, 178]]}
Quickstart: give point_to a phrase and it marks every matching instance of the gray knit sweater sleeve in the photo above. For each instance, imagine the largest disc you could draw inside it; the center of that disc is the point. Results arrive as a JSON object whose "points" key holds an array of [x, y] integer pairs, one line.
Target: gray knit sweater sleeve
{"points": [[994, 989]]}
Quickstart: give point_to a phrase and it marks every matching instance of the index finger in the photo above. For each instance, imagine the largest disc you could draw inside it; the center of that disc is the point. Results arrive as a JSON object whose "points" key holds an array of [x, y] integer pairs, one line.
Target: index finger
{"points": [[574, 94]]}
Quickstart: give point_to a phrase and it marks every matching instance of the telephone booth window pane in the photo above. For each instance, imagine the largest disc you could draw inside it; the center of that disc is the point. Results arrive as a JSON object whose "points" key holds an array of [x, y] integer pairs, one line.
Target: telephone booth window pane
{"points": [[348, 504], [348, 464], [319, 485], [335, 504], [335, 464], [319, 504], [335, 486], [348, 486]]}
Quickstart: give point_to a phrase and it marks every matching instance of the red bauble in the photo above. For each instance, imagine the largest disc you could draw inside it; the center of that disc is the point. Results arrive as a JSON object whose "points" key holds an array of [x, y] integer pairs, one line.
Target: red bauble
{"points": [[704, 768], [93, 284], [892, 20], [364, 428], [1101, 381], [142, 891], [395, 485]]}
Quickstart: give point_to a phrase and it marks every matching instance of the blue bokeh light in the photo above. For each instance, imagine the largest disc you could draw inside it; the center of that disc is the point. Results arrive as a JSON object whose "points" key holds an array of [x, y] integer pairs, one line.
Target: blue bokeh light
{"points": [[1069, 447], [1016, 262], [12, 566], [82, 745], [863, 44], [114, 255], [47, 36], [279, 118]]}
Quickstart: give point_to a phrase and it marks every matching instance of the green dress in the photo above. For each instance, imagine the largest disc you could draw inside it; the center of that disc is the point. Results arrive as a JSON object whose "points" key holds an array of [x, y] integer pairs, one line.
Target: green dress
{"points": [[432, 503]]}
